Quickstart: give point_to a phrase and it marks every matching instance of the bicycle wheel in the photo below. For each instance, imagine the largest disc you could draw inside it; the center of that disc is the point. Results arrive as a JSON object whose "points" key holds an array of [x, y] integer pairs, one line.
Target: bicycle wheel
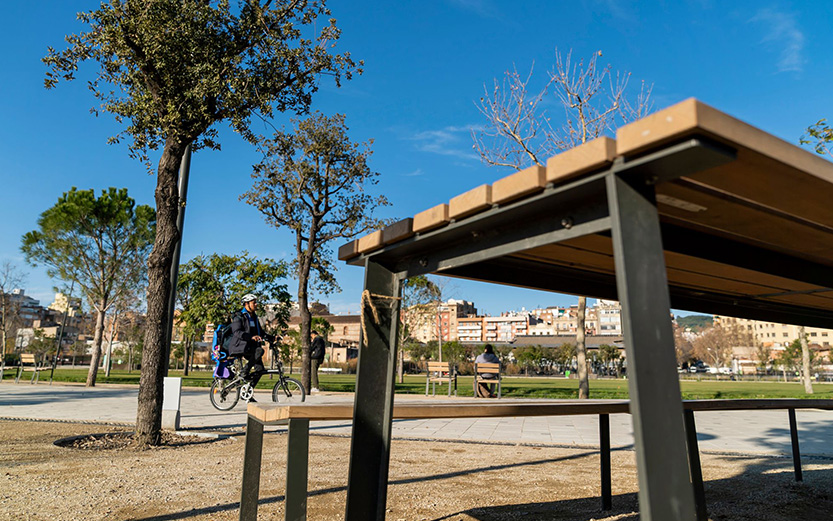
{"points": [[288, 391], [222, 398]]}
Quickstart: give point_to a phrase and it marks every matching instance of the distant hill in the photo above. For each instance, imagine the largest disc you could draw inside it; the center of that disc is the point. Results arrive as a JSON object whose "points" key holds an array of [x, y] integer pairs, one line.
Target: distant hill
{"points": [[695, 322]]}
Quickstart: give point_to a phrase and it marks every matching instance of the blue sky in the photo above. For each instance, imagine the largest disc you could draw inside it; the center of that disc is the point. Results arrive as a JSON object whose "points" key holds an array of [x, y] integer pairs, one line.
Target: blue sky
{"points": [[426, 64]]}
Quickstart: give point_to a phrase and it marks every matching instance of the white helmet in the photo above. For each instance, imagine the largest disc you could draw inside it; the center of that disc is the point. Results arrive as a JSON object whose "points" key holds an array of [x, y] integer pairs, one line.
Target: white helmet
{"points": [[248, 297]]}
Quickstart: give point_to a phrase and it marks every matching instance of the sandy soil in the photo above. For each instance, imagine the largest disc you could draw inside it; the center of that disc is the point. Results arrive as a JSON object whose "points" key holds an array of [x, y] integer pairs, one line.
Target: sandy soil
{"points": [[199, 480]]}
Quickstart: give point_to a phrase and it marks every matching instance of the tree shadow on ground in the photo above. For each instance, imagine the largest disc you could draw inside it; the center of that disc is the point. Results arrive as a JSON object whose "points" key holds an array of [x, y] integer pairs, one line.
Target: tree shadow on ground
{"points": [[764, 491]]}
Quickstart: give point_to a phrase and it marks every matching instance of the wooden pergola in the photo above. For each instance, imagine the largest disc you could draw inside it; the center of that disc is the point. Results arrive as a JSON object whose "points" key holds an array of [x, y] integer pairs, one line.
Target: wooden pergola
{"points": [[688, 208]]}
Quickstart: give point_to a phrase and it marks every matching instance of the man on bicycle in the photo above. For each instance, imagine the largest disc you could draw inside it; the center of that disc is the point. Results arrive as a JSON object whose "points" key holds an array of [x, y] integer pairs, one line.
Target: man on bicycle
{"points": [[246, 339]]}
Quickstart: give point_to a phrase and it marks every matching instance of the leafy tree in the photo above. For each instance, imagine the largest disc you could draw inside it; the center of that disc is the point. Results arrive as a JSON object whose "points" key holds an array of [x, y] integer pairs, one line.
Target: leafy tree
{"points": [[10, 278], [100, 243], [763, 353], [210, 288], [518, 132], [171, 70], [609, 353], [564, 354], [820, 135], [456, 352], [312, 181]]}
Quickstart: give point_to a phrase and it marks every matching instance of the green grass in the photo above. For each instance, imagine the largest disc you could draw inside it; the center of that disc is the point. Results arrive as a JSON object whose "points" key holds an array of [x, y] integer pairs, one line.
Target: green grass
{"points": [[513, 387]]}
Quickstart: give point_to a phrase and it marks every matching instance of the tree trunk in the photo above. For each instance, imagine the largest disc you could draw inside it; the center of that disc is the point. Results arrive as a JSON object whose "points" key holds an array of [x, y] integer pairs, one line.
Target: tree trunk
{"points": [[155, 352], [805, 361], [401, 367], [98, 337], [110, 345], [189, 346], [306, 321], [581, 351]]}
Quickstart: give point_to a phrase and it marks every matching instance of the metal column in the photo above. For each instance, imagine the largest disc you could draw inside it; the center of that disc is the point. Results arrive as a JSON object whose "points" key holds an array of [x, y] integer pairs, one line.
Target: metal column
{"points": [[373, 410], [604, 460], [794, 442], [250, 489], [297, 467], [694, 466], [665, 491]]}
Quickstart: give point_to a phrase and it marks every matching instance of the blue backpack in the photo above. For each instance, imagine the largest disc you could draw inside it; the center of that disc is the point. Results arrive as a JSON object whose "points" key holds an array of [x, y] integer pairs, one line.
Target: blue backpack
{"points": [[219, 350]]}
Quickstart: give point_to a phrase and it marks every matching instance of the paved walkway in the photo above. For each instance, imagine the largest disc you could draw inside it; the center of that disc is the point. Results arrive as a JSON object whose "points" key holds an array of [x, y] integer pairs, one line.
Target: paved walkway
{"points": [[750, 432]]}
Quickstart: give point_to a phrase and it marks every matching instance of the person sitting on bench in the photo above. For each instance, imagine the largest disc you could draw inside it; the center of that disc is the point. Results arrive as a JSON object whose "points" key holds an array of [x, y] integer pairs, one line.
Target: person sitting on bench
{"points": [[488, 356]]}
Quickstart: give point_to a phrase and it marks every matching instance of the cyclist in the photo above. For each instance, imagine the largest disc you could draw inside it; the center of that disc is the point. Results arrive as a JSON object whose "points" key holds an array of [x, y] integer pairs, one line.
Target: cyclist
{"points": [[246, 339]]}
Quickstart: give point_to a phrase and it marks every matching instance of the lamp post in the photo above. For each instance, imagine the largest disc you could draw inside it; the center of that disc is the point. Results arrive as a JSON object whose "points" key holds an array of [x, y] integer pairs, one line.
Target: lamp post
{"points": [[184, 172]]}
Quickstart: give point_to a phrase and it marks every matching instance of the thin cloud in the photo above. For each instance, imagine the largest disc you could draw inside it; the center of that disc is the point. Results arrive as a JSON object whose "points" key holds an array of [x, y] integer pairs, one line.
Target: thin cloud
{"points": [[449, 141], [782, 30], [415, 173], [483, 8]]}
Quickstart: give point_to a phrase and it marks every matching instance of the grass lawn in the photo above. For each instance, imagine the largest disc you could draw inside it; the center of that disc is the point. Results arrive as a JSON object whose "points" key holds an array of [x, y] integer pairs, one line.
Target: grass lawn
{"points": [[513, 387]]}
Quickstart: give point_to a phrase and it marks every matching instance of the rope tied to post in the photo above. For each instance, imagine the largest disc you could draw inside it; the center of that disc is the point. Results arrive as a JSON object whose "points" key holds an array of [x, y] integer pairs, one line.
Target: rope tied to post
{"points": [[367, 303]]}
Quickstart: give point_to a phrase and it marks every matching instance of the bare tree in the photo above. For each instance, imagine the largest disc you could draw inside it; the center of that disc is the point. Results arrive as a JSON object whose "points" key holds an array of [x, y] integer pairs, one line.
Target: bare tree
{"points": [[713, 346], [519, 133], [682, 345], [10, 278]]}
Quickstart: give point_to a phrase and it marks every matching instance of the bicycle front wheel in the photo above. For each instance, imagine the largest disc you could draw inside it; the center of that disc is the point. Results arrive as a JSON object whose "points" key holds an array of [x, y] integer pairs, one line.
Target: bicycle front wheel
{"points": [[288, 391], [224, 398]]}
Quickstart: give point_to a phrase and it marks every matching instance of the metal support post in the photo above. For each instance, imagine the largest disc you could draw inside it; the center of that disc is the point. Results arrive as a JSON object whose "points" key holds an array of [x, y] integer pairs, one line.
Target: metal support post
{"points": [[297, 465], [604, 456], [184, 172], [665, 492], [250, 489], [694, 466], [373, 410], [794, 440]]}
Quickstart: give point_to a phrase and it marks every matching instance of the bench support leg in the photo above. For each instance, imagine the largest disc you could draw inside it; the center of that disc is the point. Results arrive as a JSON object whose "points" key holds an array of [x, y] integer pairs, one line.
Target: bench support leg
{"points": [[665, 492], [297, 465], [604, 455], [367, 479], [694, 466], [794, 440], [251, 470]]}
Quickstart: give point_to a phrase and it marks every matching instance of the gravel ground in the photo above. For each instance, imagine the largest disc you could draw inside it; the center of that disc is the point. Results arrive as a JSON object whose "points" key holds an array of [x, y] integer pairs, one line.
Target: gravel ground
{"points": [[197, 479]]}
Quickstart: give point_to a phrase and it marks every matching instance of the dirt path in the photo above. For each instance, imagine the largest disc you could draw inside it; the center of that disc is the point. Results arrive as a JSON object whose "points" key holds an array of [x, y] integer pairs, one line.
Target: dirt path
{"points": [[429, 481]]}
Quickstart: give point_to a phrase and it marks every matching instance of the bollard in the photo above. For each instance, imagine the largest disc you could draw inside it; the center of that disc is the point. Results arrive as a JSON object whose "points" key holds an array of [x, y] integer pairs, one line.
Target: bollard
{"points": [[172, 390]]}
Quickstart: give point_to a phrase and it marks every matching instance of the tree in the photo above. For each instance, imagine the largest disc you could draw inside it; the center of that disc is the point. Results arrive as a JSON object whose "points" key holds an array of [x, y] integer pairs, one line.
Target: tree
{"points": [[713, 346], [682, 346], [419, 298], [806, 359], [820, 136], [210, 288], [10, 278], [172, 70], [763, 353], [610, 355], [98, 243], [518, 132], [312, 181]]}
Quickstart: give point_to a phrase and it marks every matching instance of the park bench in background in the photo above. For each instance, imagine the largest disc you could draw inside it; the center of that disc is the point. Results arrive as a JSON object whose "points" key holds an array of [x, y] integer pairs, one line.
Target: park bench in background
{"points": [[486, 373], [29, 363], [441, 372], [297, 417]]}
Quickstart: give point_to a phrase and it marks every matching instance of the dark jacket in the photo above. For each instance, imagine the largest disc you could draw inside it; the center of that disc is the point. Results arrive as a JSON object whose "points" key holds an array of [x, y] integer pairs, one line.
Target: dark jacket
{"points": [[317, 349], [241, 333]]}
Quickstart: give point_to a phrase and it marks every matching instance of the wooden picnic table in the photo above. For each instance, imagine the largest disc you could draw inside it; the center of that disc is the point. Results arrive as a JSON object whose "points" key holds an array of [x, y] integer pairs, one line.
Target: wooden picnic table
{"points": [[298, 418]]}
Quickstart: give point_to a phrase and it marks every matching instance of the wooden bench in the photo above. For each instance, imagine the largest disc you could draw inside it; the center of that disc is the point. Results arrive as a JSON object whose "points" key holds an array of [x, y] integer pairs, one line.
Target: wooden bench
{"points": [[29, 363], [441, 372], [297, 417], [486, 373]]}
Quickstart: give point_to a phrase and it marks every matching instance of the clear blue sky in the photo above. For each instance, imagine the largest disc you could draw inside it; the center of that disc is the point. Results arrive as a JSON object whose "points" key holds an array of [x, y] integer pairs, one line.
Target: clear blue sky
{"points": [[426, 63]]}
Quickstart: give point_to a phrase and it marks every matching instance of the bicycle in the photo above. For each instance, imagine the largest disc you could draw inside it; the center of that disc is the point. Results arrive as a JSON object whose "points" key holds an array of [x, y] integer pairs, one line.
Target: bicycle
{"points": [[226, 392]]}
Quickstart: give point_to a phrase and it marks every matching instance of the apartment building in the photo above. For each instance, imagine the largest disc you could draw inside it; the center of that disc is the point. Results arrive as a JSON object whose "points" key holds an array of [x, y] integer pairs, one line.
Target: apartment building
{"points": [[609, 314], [772, 334]]}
